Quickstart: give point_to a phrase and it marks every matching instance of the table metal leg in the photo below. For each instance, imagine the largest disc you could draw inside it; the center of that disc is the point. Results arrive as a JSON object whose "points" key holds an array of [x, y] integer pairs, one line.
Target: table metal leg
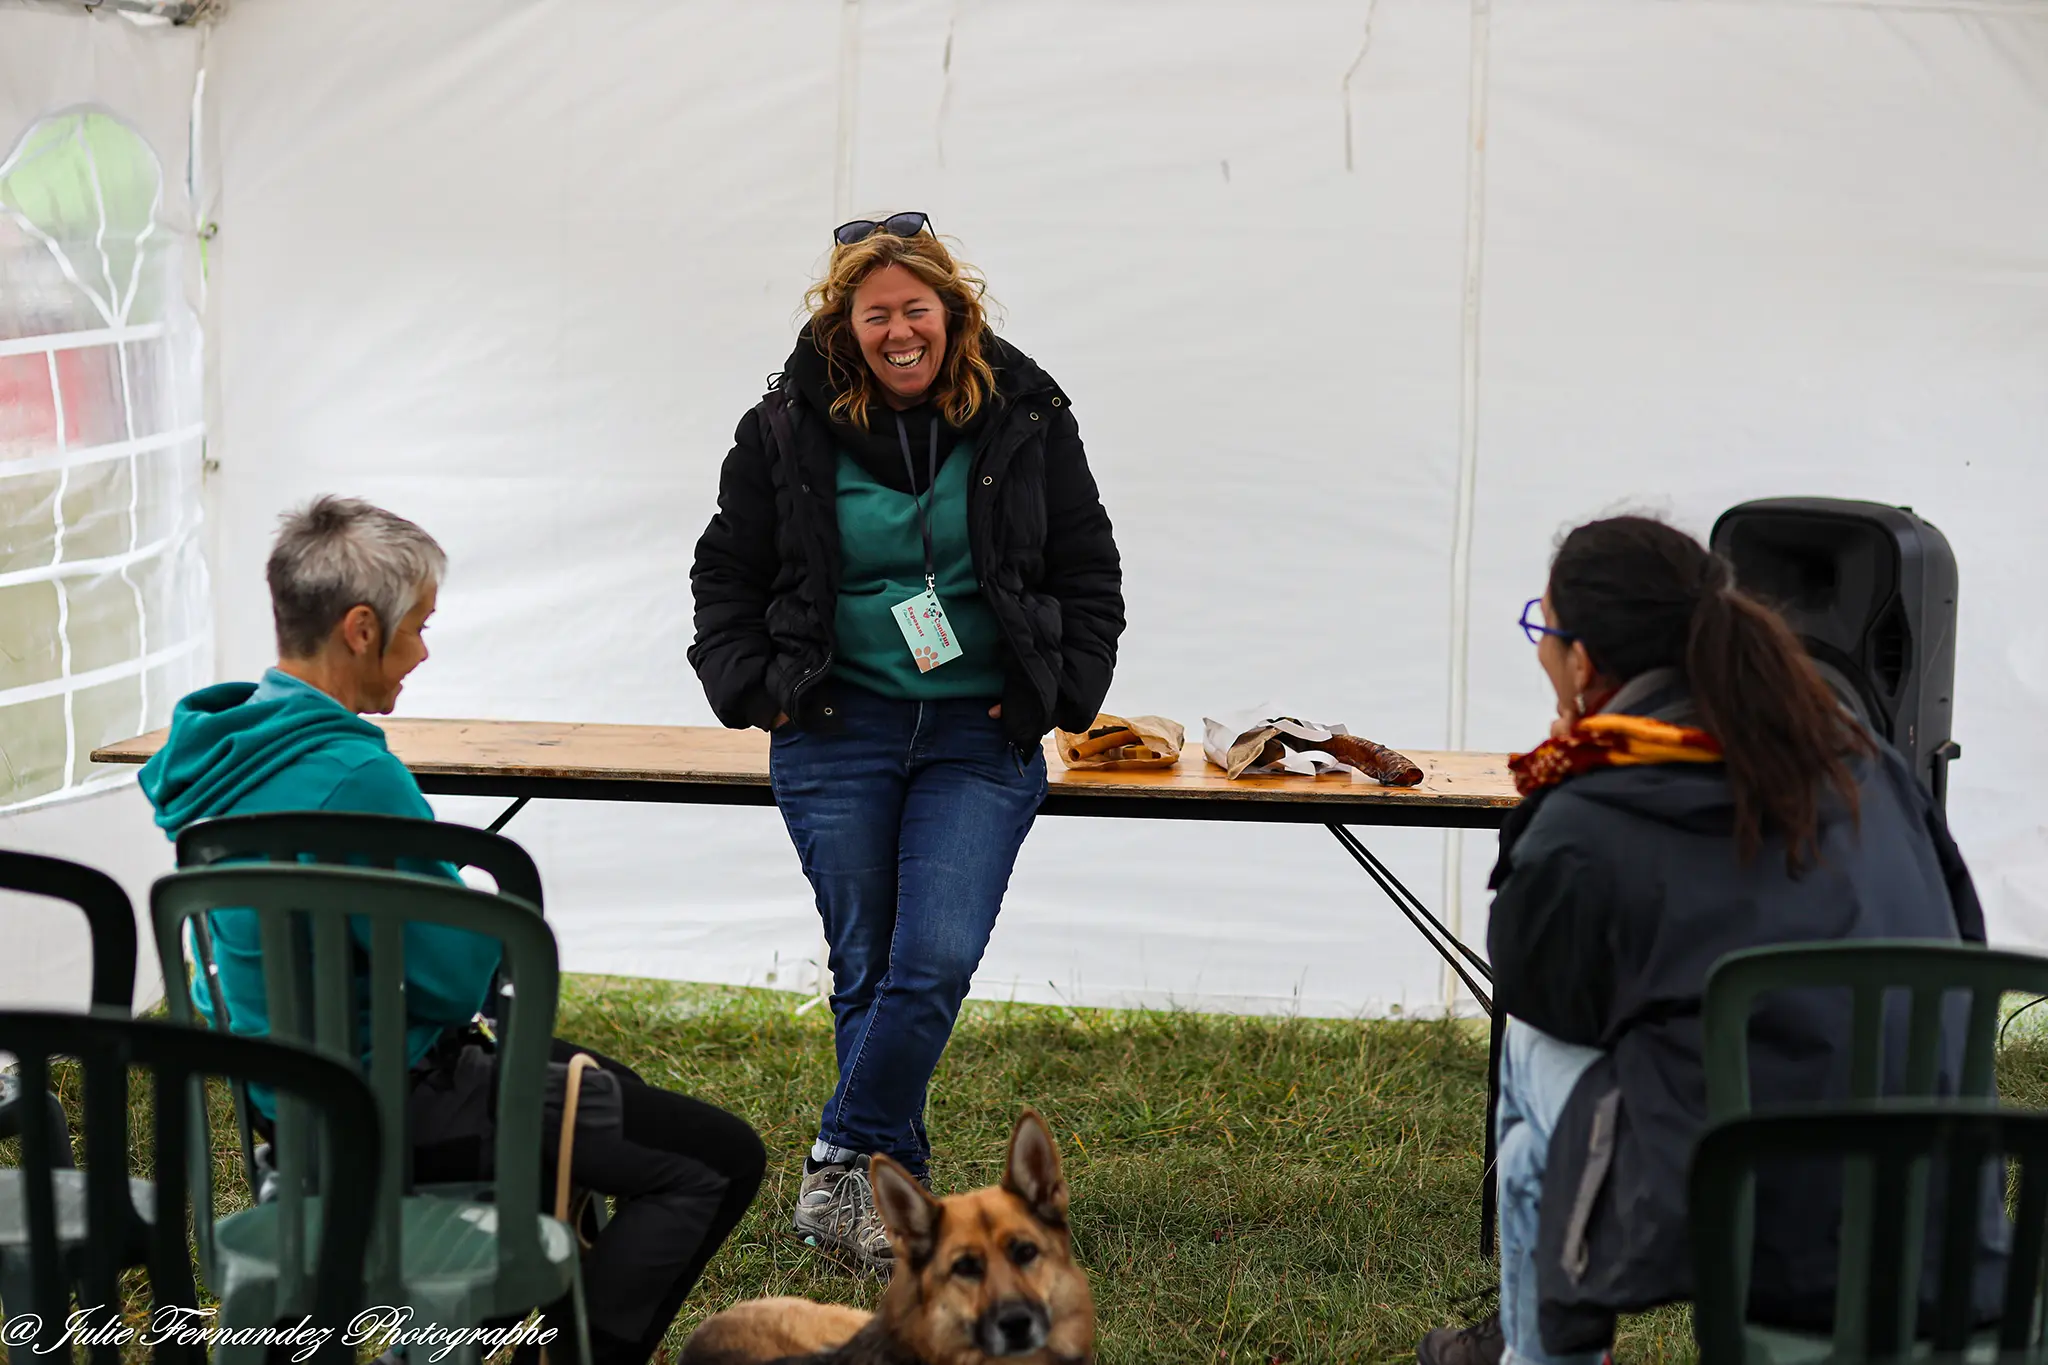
{"points": [[506, 818], [1450, 948], [1447, 944]]}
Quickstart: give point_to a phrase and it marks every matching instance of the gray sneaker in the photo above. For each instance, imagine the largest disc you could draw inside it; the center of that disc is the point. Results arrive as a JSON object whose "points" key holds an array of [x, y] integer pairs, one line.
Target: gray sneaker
{"points": [[835, 1210]]}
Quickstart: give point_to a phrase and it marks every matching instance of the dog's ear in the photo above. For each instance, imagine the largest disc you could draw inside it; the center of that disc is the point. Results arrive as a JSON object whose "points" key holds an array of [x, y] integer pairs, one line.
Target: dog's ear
{"points": [[908, 1210], [1033, 1170]]}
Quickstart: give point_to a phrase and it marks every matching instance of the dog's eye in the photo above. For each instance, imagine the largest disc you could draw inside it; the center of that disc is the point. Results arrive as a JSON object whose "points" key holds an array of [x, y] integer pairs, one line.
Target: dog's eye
{"points": [[968, 1268], [1023, 1253]]}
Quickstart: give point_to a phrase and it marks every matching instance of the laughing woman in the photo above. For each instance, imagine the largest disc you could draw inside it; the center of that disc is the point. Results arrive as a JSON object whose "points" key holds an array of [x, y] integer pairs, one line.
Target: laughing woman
{"points": [[909, 581]]}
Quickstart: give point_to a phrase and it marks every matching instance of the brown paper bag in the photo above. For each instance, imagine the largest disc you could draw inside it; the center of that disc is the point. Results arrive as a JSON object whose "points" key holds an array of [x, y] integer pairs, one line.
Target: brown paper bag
{"points": [[1117, 743]]}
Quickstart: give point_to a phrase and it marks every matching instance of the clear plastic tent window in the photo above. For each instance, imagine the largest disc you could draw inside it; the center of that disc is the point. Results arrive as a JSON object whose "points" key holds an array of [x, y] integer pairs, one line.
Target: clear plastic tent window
{"points": [[104, 607]]}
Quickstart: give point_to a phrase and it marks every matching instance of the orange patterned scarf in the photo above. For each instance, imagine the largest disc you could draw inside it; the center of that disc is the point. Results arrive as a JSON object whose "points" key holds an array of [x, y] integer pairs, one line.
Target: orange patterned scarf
{"points": [[1611, 741]]}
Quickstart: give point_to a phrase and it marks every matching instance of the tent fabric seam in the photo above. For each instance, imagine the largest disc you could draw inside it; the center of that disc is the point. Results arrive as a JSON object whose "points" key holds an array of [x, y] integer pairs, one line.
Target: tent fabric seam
{"points": [[75, 341], [69, 683], [83, 568], [112, 450]]}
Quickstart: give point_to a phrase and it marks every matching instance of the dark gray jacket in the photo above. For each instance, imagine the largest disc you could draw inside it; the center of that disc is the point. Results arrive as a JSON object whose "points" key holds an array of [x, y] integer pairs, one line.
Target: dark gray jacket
{"points": [[1617, 891]]}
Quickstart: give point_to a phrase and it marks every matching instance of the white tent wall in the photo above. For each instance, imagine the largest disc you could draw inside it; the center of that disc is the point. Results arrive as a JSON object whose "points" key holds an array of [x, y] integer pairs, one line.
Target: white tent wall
{"points": [[47, 961], [518, 275], [1745, 250], [55, 59], [516, 271]]}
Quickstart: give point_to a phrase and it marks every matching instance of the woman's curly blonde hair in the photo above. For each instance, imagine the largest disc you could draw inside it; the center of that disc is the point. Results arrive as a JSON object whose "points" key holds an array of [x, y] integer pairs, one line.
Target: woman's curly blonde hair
{"points": [[966, 380]]}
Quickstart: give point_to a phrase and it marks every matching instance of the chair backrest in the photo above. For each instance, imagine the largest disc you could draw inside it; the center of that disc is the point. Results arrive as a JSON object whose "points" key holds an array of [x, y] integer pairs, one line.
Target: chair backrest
{"points": [[1877, 1315], [349, 839], [1929, 970], [360, 840], [313, 1091], [108, 913], [322, 901]]}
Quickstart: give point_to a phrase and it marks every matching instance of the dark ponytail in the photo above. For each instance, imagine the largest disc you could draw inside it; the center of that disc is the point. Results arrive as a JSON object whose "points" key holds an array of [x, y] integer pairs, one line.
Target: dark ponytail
{"points": [[1642, 595]]}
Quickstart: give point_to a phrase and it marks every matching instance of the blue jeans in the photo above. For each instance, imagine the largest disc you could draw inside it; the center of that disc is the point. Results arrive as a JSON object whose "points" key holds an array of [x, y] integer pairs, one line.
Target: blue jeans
{"points": [[1537, 1074], [908, 820]]}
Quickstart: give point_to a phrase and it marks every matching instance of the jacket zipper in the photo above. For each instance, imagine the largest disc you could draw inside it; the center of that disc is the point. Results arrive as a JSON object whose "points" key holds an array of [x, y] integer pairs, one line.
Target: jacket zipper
{"points": [[1025, 659], [785, 436]]}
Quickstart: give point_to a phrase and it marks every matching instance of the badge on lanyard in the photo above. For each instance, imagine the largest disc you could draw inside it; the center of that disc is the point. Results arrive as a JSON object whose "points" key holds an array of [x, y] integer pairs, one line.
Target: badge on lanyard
{"points": [[922, 618]]}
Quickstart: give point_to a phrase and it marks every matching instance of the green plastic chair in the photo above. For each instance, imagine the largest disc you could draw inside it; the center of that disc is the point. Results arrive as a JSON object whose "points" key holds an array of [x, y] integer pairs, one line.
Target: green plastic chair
{"points": [[1877, 1317], [346, 839], [456, 1262], [109, 916], [360, 840], [85, 1234], [1929, 970], [111, 919], [1929, 974]]}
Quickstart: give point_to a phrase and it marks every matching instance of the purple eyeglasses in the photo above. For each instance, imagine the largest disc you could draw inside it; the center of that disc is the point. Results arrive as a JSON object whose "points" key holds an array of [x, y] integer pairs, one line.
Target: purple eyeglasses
{"points": [[1535, 629]]}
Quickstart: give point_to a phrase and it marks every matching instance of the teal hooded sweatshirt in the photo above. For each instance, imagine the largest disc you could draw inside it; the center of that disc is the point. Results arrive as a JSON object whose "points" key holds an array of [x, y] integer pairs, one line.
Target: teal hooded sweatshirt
{"points": [[281, 744]]}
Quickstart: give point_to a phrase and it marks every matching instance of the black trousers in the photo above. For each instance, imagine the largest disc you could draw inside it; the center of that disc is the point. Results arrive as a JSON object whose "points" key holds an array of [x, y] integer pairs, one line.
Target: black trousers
{"points": [[682, 1173]]}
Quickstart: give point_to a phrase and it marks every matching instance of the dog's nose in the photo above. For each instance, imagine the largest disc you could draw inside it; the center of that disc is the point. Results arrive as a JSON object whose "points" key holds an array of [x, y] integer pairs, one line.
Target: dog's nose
{"points": [[1014, 1328]]}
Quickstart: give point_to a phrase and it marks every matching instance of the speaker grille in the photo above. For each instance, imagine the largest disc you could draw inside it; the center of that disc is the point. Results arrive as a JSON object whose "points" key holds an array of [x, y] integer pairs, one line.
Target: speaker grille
{"points": [[1891, 648]]}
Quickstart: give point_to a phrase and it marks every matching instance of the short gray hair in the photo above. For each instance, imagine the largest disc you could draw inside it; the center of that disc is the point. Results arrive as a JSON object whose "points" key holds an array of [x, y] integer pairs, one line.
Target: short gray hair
{"points": [[339, 554]]}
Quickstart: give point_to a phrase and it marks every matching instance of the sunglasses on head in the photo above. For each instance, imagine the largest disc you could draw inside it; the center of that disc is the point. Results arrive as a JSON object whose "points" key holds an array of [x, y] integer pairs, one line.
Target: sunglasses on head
{"points": [[896, 225]]}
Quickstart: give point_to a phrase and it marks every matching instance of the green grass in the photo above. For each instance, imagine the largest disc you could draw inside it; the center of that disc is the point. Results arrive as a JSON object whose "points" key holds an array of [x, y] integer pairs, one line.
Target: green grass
{"points": [[1245, 1189]]}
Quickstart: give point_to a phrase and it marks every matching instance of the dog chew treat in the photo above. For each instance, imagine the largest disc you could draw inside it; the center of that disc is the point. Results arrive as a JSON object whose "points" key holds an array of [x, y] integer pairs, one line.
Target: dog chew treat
{"points": [[1101, 742], [1112, 743], [1376, 761]]}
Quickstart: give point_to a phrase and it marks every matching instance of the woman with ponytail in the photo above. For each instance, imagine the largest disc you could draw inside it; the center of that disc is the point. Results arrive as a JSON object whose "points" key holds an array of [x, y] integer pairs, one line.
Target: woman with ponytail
{"points": [[1702, 791]]}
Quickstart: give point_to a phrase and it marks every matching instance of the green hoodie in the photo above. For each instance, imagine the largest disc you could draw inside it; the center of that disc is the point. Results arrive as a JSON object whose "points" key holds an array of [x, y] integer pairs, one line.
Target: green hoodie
{"points": [[282, 744]]}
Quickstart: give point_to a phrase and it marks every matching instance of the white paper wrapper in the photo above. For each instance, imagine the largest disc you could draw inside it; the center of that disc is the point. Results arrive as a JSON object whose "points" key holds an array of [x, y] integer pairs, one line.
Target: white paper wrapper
{"points": [[1235, 742]]}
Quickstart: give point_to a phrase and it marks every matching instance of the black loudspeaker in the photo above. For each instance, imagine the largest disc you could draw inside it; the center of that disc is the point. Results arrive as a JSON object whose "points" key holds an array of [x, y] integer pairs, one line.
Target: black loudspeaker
{"points": [[1871, 592]]}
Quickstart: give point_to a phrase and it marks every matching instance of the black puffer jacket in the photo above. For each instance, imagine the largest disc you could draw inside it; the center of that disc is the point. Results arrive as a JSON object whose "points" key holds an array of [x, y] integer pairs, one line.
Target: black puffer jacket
{"points": [[1617, 891], [766, 577]]}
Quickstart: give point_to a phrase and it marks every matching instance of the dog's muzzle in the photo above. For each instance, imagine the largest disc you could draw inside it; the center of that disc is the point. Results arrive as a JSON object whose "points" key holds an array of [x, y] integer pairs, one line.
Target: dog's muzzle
{"points": [[1015, 1327]]}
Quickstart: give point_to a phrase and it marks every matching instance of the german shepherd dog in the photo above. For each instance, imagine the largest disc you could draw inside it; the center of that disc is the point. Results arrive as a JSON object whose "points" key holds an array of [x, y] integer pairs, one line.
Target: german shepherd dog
{"points": [[979, 1277]]}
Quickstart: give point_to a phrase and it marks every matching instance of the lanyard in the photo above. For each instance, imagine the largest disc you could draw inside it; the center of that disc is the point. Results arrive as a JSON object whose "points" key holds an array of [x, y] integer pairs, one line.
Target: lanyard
{"points": [[931, 478]]}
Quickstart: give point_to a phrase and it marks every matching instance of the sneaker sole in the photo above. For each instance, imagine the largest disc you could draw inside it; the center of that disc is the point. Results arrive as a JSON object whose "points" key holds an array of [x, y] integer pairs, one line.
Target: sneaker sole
{"points": [[848, 1256]]}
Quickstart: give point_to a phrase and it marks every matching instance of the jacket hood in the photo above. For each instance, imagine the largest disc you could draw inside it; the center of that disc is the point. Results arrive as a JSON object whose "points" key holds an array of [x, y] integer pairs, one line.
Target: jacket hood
{"points": [[880, 449], [1694, 797], [227, 739], [1691, 796]]}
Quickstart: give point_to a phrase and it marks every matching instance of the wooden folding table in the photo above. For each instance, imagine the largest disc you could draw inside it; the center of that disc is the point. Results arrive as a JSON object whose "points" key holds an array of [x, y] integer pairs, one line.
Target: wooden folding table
{"points": [[522, 760]]}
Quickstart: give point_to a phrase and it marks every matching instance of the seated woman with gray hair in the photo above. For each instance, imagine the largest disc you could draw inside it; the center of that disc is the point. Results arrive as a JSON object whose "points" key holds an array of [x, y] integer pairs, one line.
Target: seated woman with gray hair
{"points": [[351, 589]]}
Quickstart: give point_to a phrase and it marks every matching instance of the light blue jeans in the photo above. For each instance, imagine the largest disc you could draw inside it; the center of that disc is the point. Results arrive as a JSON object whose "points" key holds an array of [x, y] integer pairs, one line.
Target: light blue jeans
{"points": [[1537, 1074]]}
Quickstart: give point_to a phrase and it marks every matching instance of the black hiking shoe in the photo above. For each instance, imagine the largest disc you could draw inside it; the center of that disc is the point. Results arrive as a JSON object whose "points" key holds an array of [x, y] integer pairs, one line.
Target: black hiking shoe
{"points": [[1479, 1344]]}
